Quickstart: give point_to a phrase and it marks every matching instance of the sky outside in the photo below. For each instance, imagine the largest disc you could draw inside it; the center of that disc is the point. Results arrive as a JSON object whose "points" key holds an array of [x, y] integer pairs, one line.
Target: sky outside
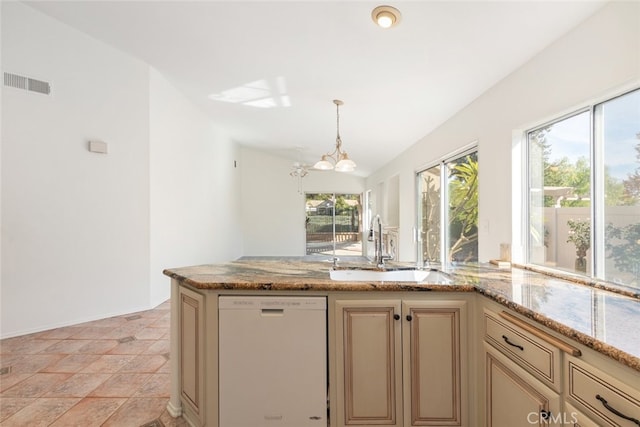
{"points": [[620, 124]]}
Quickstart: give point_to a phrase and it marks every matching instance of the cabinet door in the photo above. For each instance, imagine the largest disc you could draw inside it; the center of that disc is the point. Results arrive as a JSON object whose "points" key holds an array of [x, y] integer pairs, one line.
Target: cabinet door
{"points": [[369, 363], [515, 398], [191, 352], [434, 342]]}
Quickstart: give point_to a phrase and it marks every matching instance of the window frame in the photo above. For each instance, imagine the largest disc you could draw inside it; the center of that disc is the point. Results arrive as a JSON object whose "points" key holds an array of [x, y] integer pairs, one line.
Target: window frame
{"points": [[442, 162], [597, 145], [526, 200], [361, 225]]}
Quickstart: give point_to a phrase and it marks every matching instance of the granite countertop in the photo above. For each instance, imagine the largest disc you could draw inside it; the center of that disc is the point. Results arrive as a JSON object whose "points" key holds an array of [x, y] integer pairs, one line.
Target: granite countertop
{"points": [[598, 318]]}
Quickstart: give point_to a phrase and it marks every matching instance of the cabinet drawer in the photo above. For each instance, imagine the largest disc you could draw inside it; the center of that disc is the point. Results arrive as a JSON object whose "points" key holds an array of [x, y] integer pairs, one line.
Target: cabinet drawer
{"points": [[601, 396], [539, 358], [574, 418]]}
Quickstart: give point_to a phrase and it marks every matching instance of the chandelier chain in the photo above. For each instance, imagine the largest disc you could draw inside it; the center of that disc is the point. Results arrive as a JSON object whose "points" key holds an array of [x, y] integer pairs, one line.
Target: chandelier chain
{"points": [[338, 140], [338, 159]]}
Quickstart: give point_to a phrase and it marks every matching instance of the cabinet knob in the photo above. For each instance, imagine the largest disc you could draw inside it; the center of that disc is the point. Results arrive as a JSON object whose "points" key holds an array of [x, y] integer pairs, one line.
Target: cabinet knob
{"points": [[545, 415], [409, 318], [396, 316]]}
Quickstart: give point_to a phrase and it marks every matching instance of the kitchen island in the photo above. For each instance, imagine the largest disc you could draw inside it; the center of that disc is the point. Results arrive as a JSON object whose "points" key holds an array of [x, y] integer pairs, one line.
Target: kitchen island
{"points": [[583, 320]]}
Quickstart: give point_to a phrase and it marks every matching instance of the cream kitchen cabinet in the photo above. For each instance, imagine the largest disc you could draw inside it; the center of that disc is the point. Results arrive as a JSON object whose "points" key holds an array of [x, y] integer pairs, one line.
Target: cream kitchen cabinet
{"points": [[191, 354], [405, 356], [539, 358], [534, 377], [522, 371], [575, 418], [604, 398], [400, 362], [514, 397]]}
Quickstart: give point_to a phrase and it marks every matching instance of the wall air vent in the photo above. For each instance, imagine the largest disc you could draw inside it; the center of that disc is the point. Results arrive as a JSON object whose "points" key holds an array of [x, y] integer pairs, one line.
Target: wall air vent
{"points": [[26, 83]]}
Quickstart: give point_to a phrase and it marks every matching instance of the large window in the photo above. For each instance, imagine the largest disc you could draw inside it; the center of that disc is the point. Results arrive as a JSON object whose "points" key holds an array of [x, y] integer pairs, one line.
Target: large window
{"points": [[560, 193], [584, 192], [448, 210]]}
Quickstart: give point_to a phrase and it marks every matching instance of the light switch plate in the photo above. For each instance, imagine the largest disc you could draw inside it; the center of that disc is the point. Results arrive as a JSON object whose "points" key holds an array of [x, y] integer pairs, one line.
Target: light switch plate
{"points": [[98, 147]]}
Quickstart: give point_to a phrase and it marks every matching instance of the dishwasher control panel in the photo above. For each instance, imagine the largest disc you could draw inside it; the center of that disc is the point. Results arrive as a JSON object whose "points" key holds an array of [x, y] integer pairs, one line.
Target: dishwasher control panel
{"points": [[258, 303]]}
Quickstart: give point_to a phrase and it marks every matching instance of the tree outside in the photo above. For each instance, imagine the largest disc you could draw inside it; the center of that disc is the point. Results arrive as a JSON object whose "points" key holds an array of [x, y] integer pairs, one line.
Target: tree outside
{"points": [[622, 239], [462, 210]]}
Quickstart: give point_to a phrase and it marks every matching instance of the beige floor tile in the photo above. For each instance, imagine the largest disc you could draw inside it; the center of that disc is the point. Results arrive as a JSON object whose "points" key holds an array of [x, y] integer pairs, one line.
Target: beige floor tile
{"points": [[91, 333], [9, 359], [157, 386], [131, 347], [136, 412], [170, 421], [60, 333], [144, 364], [150, 334], [11, 405], [78, 385], [97, 346], [25, 346], [121, 385], [31, 363], [72, 363], [109, 363], [155, 313], [158, 347], [162, 322], [41, 413], [123, 331], [65, 347], [69, 376], [164, 369], [36, 385], [91, 411], [9, 380], [141, 321]]}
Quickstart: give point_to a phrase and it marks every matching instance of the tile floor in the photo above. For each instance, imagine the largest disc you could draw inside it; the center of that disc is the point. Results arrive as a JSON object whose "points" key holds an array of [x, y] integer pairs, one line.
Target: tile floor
{"points": [[109, 372]]}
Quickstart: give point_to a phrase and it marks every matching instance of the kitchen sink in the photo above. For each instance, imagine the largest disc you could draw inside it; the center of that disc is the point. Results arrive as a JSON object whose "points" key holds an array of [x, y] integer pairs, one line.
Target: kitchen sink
{"points": [[393, 275]]}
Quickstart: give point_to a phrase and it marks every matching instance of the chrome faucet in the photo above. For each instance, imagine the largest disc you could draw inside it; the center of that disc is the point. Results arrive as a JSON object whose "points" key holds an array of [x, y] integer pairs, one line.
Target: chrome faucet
{"points": [[376, 237]]}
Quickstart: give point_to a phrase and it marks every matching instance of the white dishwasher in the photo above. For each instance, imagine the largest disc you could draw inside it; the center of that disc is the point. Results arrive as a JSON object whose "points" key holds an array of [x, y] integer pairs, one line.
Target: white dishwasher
{"points": [[272, 361]]}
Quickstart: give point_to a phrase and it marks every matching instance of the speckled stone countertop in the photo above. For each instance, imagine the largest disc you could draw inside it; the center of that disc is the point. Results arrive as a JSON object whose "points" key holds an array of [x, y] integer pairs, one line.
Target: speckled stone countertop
{"points": [[598, 318]]}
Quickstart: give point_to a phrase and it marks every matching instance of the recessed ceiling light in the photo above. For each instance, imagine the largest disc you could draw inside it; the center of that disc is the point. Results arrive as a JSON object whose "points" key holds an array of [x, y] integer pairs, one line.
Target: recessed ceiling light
{"points": [[385, 16]]}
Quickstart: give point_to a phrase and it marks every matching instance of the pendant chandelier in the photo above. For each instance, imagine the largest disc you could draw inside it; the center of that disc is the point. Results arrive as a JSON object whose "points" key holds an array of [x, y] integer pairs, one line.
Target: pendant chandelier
{"points": [[338, 159]]}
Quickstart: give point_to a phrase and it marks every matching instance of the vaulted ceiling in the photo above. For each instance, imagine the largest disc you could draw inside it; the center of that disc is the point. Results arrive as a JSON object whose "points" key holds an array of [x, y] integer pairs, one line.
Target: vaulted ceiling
{"points": [[268, 71]]}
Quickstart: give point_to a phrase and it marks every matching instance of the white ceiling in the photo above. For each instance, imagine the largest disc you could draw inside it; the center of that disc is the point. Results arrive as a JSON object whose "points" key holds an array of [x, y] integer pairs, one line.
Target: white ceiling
{"points": [[268, 71]]}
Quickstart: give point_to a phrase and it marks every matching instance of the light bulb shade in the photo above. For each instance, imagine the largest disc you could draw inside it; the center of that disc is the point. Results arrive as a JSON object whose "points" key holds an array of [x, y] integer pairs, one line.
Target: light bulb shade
{"points": [[323, 164], [345, 164], [385, 19]]}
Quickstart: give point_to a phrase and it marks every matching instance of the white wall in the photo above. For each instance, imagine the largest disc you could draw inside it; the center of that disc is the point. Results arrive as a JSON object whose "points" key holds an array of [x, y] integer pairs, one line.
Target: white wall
{"points": [[598, 57], [85, 235], [194, 187], [1, 92], [273, 212], [75, 227]]}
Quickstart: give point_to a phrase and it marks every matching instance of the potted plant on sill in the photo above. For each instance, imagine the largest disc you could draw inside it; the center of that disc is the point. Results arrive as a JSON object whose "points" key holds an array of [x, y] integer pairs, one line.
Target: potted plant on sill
{"points": [[580, 236]]}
